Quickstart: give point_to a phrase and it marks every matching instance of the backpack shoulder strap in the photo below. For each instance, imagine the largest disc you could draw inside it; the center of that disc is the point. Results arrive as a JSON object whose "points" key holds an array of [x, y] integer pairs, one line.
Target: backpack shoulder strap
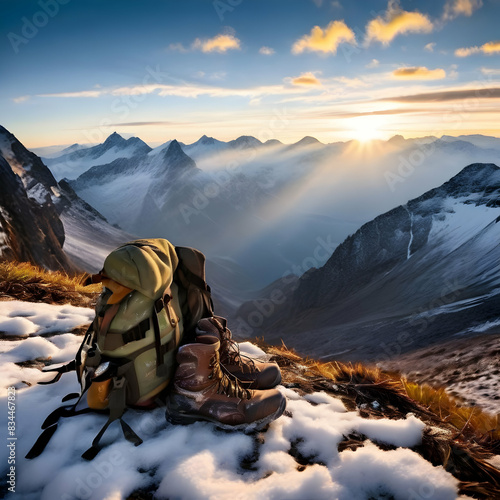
{"points": [[195, 294]]}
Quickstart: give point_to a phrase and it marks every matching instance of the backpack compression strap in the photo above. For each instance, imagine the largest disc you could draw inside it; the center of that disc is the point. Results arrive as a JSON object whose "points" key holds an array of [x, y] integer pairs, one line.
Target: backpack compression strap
{"points": [[117, 407]]}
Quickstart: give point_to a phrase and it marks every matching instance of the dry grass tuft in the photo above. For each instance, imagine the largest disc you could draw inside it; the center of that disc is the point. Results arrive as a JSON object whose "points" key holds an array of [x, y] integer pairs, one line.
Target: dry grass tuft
{"points": [[24, 281]]}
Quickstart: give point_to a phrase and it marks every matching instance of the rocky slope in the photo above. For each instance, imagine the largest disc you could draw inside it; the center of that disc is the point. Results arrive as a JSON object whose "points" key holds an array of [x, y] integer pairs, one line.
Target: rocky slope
{"points": [[413, 276]]}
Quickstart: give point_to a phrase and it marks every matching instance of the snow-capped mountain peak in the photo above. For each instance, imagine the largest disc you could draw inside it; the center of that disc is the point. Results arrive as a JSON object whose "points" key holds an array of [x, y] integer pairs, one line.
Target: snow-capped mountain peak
{"points": [[113, 140], [245, 141], [71, 165], [307, 141]]}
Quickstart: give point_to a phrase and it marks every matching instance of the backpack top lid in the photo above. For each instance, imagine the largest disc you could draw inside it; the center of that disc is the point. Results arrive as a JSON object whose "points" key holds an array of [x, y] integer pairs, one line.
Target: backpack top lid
{"points": [[146, 265]]}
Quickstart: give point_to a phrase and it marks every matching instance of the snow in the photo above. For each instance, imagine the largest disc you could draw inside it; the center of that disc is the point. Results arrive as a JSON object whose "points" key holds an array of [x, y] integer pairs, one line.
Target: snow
{"points": [[71, 168], [199, 461], [460, 222], [26, 318]]}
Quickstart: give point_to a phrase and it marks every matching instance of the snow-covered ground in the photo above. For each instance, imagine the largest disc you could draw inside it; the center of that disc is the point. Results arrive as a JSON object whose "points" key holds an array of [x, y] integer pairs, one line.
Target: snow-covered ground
{"points": [[196, 461]]}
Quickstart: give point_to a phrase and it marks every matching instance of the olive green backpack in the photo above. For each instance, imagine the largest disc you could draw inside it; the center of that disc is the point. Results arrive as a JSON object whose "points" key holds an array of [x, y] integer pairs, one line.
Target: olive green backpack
{"points": [[153, 296]]}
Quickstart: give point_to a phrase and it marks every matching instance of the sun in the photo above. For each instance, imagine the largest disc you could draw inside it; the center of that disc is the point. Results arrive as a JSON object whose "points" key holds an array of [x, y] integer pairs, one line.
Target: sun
{"points": [[366, 128]]}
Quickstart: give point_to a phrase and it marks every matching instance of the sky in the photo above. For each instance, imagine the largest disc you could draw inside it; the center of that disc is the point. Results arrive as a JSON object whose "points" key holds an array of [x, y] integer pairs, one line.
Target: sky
{"points": [[74, 71]]}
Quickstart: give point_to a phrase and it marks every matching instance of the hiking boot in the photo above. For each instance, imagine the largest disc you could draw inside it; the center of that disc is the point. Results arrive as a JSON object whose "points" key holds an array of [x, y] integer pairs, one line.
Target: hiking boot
{"points": [[203, 391], [252, 374]]}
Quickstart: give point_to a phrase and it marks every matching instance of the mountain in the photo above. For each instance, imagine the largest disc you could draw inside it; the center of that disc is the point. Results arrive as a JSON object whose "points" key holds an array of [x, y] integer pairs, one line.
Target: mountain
{"points": [[45, 222], [416, 275], [307, 141], [31, 229], [29, 232], [244, 142], [77, 160], [204, 146]]}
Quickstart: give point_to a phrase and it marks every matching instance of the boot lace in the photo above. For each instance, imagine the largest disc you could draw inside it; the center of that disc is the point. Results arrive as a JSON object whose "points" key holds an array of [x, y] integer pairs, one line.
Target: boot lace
{"points": [[230, 350], [227, 383]]}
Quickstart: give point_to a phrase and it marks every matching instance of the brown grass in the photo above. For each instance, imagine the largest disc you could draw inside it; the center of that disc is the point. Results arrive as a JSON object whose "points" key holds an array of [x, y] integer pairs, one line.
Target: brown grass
{"points": [[24, 281]]}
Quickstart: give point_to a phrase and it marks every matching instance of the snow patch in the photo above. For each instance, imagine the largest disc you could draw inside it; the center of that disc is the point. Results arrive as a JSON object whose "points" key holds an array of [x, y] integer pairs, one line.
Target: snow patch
{"points": [[25, 318]]}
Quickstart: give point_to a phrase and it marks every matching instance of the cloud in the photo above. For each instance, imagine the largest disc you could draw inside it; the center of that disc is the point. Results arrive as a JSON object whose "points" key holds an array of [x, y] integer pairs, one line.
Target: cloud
{"points": [[82, 93], [336, 4], [219, 43], [419, 73], [142, 124], [430, 47], [488, 48], [490, 71], [448, 95], [396, 22], [326, 40], [306, 79], [266, 51], [491, 47], [455, 8], [186, 90], [373, 64], [178, 47], [380, 112], [20, 99], [351, 82]]}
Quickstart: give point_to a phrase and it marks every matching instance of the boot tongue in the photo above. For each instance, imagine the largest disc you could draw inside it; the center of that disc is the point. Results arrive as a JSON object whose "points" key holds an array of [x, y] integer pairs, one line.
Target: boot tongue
{"points": [[208, 339], [206, 327]]}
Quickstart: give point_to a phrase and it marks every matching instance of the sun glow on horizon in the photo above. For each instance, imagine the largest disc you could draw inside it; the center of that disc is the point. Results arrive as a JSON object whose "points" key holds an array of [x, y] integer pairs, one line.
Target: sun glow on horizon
{"points": [[367, 128]]}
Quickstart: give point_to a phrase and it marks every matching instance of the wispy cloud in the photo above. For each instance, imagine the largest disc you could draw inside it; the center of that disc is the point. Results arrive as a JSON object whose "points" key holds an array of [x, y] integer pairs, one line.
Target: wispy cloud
{"points": [[306, 79], [380, 112], [183, 89], [350, 82], [20, 99], [178, 47], [266, 51], [430, 47], [488, 48], [419, 73], [448, 95], [373, 63], [396, 21], [325, 41], [220, 43], [490, 71], [82, 93], [141, 124], [455, 8]]}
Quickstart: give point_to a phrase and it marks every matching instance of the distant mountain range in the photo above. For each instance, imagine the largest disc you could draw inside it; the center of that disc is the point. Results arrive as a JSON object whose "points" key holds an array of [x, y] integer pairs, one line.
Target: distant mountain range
{"points": [[262, 205]]}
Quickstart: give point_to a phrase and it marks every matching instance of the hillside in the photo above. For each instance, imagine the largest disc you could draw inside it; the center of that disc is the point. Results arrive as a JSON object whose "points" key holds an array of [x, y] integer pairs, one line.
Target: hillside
{"points": [[349, 432]]}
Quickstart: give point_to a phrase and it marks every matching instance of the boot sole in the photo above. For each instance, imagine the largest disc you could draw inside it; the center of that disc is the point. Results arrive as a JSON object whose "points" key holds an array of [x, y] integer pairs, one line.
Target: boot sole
{"points": [[180, 418]]}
